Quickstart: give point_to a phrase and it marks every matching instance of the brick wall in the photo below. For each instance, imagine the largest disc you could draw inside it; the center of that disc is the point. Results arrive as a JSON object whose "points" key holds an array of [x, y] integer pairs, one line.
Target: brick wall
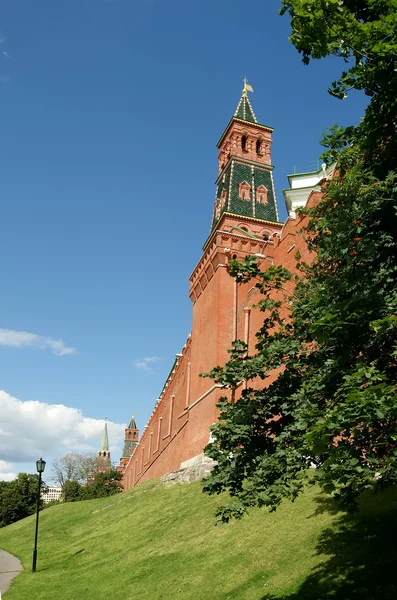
{"points": [[178, 428]]}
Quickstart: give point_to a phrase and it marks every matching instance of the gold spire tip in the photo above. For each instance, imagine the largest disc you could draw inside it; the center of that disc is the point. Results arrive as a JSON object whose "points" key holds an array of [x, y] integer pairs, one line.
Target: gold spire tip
{"points": [[247, 87]]}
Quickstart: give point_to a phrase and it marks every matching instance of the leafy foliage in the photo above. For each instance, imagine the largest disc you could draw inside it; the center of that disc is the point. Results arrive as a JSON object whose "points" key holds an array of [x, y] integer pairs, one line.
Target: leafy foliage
{"points": [[71, 491], [363, 33], [106, 483], [329, 370], [18, 498], [100, 484]]}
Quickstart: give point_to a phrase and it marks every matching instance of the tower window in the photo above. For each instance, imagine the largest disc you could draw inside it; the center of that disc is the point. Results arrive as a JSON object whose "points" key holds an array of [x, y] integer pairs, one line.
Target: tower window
{"points": [[244, 191], [244, 143], [259, 146], [262, 195]]}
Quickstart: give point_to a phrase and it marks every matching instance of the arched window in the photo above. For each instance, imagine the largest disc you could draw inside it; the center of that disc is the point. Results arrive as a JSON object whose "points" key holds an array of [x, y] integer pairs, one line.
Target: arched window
{"points": [[259, 146], [244, 143]]}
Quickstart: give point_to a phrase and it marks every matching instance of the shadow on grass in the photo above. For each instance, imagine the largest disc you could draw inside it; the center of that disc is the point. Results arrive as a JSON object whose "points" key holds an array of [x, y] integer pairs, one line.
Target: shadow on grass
{"points": [[359, 552]]}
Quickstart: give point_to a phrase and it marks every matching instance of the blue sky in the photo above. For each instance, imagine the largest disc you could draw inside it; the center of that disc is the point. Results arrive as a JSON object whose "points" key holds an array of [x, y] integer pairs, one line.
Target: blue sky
{"points": [[110, 111]]}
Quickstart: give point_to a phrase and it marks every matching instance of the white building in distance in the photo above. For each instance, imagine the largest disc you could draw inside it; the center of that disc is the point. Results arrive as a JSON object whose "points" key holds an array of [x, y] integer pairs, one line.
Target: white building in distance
{"points": [[53, 493]]}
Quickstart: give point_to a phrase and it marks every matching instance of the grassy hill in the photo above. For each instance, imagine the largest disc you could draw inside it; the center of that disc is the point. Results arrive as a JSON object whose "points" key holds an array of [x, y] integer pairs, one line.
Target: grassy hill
{"points": [[161, 543]]}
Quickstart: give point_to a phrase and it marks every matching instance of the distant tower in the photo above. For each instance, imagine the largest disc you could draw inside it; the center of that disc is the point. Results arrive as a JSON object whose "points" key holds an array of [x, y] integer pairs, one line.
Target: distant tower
{"points": [[130, 443], [104, 451]]}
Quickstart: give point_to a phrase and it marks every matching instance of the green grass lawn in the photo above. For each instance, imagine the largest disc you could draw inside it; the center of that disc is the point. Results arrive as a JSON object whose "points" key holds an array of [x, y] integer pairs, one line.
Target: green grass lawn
{"points": [[161, 543]]}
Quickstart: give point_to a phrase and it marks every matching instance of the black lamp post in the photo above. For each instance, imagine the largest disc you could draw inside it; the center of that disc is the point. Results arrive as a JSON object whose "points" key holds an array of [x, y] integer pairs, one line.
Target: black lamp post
{"points": [[40, 466]]}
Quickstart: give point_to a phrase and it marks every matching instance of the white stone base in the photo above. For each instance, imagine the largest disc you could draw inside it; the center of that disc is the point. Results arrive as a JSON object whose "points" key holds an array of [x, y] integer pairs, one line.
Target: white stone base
{"points": [[190, 470]]}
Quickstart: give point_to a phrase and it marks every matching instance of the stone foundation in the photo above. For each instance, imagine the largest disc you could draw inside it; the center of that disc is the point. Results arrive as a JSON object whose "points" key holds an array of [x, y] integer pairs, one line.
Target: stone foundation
{"points": [[190, 470]]}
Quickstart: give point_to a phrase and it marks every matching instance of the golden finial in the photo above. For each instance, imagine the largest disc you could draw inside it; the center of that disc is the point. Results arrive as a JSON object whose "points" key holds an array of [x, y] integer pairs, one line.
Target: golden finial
{"points": [[247, 87]]}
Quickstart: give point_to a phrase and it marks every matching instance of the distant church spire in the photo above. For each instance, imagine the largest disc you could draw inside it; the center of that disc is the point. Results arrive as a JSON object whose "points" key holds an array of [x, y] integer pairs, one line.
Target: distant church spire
{"points": [[104, 449]]}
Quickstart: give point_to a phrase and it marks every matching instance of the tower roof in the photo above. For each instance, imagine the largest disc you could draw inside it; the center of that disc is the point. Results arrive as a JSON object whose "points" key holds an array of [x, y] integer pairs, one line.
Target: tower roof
{"points": [[244, 110], [244, 113], [105, 439], [132, 423]]}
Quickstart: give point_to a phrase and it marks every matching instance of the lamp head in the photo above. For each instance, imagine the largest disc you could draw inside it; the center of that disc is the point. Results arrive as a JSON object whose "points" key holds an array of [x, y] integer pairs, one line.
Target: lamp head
{"points": [[40, 465]]}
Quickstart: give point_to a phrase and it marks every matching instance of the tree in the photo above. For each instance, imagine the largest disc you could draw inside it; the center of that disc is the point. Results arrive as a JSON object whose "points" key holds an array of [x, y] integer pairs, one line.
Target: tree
{"points": [[363, 33], [85, 476], [71, 491], [333, 404], [67, 468], [92, 464], [18, 498], [77, 467], [104, 483]]}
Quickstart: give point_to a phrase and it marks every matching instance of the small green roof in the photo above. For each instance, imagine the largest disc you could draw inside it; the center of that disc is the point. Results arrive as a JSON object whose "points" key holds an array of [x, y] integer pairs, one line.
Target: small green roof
{"points": [[244, 110], [105, 439], [132, 423], [244, 114]]}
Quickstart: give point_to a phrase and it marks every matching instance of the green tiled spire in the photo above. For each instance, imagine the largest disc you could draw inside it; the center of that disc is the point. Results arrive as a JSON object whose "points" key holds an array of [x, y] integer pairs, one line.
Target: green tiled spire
{"points": [[105, 440], [244, 110], [245, 184]]}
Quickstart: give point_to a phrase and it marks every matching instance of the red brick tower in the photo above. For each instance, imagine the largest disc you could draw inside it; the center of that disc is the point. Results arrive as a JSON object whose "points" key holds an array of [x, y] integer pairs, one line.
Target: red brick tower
{"points": [[130, 442], [244, 221]]}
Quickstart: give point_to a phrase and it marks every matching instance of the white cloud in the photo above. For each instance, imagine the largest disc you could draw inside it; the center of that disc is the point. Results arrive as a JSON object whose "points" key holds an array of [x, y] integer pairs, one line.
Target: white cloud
{"points": [[5, 473], [4, 466], [32, 429], [21, 339], [144, 364], [7, 476]]}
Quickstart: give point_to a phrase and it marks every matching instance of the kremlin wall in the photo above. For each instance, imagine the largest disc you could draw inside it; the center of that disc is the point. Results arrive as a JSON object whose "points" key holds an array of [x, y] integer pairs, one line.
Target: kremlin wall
{"points": [[245, 222]]}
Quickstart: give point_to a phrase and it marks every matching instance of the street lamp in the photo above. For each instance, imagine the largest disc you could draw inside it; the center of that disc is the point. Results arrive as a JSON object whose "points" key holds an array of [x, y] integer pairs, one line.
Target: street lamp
{"points": [[40, 466]]}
